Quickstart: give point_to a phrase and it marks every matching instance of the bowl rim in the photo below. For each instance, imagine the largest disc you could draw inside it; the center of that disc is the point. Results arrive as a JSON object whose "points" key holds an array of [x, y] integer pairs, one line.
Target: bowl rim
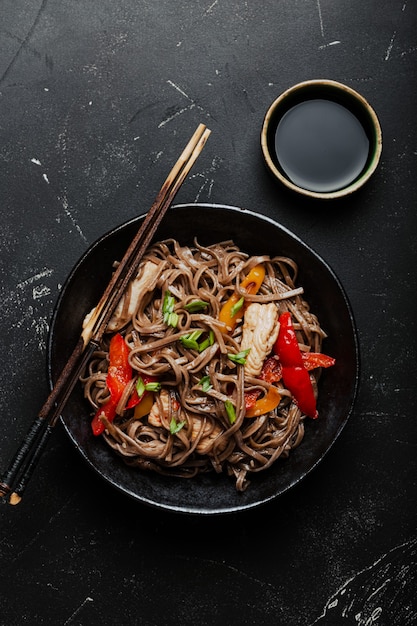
{"points": [[200, 509], [376, 151]]}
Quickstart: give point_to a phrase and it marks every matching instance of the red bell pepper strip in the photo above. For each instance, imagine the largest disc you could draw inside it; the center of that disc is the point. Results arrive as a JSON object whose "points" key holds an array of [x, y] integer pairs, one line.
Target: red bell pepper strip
{"points": [[317, 359], [295, 376], [272, 369], [272, 372], [119, 375], [135, 398]]}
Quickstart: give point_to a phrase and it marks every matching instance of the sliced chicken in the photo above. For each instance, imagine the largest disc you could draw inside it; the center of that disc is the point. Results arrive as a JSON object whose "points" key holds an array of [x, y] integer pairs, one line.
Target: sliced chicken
{"points": [[129, 302], [260, 331], [211, 430]]}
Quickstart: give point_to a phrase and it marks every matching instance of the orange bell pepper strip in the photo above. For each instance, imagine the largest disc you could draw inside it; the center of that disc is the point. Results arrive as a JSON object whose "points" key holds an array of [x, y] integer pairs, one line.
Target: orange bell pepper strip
{"points": [[265, 404], [119, 375], [251, 284]]}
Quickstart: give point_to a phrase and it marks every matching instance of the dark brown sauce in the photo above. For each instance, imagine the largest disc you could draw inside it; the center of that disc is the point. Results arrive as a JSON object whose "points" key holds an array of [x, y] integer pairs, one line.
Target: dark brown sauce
{"points": [[321, 146]]}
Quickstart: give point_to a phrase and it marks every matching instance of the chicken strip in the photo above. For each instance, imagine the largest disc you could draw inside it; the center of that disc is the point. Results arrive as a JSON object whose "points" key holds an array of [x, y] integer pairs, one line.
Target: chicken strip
{"points": [[260, 331], [128, 304]]}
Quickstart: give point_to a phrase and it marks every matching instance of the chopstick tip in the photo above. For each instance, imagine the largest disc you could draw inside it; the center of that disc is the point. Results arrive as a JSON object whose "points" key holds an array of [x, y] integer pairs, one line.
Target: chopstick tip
{"points": [[14, 499]]}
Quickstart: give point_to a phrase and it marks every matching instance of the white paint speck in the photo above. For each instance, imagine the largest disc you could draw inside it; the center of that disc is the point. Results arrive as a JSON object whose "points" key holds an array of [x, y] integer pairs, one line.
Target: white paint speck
{"points": [[68, 213], [189, 107], [320, 18], [211, 7], [77, 610], [331, 43], [176, 114], [28, 281], [45, 177], [182, 92], [40, 291], [389, 49], [36, 161]]}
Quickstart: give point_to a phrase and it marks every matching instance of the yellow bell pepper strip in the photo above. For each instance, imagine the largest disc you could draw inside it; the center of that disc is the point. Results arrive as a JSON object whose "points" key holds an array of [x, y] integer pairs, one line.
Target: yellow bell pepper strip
{"points": [[233, 309], [144, 406], [294, 375], [265, 404], [119, 375]]}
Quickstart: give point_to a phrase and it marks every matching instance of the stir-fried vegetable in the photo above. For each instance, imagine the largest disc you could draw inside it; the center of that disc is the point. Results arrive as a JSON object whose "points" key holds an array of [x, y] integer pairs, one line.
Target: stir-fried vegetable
{"points": [[118, 376], [295, 376], [233, 309], [265, 404]]}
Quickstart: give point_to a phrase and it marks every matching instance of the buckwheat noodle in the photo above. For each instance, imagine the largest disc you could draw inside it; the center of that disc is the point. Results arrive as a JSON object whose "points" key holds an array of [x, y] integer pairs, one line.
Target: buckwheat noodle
{"points": [[207, 440]]}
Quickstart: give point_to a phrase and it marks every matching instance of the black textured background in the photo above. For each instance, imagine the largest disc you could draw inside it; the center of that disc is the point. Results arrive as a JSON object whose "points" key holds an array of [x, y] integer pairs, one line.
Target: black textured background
{"points": [[97, 100]]}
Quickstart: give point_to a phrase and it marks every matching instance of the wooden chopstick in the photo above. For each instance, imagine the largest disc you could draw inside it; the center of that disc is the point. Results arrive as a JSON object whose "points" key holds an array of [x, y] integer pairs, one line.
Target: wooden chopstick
{"points": [[22, 466]]}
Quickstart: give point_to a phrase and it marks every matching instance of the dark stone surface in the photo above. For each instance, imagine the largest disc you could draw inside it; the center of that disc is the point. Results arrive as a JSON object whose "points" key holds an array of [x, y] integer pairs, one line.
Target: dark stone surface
{"points": [[96, 101]]}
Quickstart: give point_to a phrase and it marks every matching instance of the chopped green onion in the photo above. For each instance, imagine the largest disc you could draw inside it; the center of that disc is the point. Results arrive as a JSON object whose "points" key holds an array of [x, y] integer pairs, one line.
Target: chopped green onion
{"points": [[153, 387], [140, 387], [203, 345], [236, 307], [168, 305], [209, 341], [240, 357], [196, 305], [230, 410], [175, 427], [191, 340], [205, 383], [172, 320]]}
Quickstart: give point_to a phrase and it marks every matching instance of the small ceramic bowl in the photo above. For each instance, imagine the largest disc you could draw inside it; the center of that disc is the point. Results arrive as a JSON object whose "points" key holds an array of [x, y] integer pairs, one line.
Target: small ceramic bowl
{"points": [[322, 139]]}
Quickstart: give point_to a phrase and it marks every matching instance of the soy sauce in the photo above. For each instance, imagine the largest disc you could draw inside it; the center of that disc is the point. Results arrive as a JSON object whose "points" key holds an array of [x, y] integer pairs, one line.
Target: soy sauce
{"points": [[321, 145]]}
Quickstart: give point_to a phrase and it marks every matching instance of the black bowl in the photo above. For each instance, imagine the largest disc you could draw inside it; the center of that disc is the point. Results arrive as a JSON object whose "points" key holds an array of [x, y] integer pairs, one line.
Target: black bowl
{"points": [[255, 234]]}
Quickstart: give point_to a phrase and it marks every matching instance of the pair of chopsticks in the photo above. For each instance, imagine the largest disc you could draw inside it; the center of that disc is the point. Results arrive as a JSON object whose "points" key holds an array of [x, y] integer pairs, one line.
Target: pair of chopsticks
{"points": [[17, 475]]}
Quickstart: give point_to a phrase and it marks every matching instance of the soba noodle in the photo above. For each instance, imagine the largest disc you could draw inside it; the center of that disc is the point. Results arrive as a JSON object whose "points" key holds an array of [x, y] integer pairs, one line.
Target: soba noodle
{"points": [[206, 439]]}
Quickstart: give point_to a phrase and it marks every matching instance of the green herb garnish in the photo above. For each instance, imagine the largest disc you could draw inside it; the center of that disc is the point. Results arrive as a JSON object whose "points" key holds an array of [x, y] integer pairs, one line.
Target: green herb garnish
{"points": [[191, 340], [230, 410], [153, 387], [175, 427], [236, 307], [240, 357], [209, 341], [196, 305], [141, 387], [205, 383], [170, 317]]}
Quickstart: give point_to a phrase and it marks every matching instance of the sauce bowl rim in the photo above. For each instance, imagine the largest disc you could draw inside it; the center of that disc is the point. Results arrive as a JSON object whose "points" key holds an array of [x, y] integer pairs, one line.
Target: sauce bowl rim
{"points": [[375, 148]]}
